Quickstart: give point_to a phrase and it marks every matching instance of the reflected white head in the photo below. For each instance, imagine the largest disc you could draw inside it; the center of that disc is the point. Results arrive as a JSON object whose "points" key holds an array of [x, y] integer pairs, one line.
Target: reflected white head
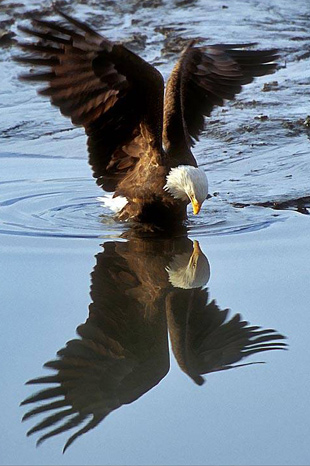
{"points": [[188, 184], [189, 270]]}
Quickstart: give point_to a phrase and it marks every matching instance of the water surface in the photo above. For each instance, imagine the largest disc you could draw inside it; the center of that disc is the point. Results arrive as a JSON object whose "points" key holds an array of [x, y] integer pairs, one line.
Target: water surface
{"points": [[66, 264]]}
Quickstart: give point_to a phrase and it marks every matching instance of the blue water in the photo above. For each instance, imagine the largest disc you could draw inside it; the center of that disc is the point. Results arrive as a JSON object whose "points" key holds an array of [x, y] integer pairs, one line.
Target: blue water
{"points": [[56, 267], [250, 415]]}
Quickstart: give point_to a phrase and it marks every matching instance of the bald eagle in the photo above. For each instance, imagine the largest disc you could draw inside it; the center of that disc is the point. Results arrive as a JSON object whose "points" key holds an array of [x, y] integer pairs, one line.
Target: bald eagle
{"points": [[139, 138]]}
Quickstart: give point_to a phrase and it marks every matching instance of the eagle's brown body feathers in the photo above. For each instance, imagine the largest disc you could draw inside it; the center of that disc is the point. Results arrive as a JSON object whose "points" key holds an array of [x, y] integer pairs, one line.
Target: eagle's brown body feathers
{"points": [[119, 99]]}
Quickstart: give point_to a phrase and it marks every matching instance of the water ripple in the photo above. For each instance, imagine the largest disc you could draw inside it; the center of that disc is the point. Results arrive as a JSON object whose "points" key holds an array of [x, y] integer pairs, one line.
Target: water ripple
{"points": [[63, 207], [69, 208]]}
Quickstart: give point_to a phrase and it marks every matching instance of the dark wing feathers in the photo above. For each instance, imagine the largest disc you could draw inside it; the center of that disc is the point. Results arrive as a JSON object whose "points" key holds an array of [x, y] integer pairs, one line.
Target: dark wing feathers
{"points": [[204, 339], [121, 352], [102, 86], [118, 97], [203, 78]]}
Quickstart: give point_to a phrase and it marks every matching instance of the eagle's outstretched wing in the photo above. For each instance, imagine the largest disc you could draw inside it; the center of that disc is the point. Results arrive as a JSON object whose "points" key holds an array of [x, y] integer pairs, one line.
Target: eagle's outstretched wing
{"points": [[204, 339], [203, 78], [121, 353], [113, 93]]}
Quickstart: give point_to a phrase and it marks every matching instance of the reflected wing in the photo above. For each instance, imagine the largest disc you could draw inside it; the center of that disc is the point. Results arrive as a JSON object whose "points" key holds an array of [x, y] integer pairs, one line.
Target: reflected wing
{"points": [[122, 352], [112, 92], [203, 78], [204, 340]]}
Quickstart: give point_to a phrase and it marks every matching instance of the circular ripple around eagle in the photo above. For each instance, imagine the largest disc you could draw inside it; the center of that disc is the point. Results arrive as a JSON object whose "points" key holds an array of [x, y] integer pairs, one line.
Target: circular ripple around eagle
{"points": [[63, 207], [69, 208]]}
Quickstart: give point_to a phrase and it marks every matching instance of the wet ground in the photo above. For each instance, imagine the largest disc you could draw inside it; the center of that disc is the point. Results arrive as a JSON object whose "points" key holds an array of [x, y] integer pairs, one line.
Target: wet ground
{"points": [[253, 231]]}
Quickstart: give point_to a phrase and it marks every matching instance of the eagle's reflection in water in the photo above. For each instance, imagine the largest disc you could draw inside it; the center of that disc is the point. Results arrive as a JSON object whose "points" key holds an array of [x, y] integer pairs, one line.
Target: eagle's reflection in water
{"points": [[141, 289]]}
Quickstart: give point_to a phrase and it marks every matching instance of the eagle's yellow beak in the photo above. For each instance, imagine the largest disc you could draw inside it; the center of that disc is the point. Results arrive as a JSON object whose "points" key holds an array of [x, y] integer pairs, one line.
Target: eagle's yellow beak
{"points": [[196, 206]]}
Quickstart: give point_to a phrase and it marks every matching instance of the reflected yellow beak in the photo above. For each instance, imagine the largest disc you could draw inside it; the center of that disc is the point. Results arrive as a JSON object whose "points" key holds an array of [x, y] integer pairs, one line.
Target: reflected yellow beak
{"points": [[195, 255], [196, 206], [196, 248]]}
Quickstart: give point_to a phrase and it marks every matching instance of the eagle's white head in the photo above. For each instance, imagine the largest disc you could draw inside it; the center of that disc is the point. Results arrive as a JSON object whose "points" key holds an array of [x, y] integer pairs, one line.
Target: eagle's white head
{"points": [[188, 184]]}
